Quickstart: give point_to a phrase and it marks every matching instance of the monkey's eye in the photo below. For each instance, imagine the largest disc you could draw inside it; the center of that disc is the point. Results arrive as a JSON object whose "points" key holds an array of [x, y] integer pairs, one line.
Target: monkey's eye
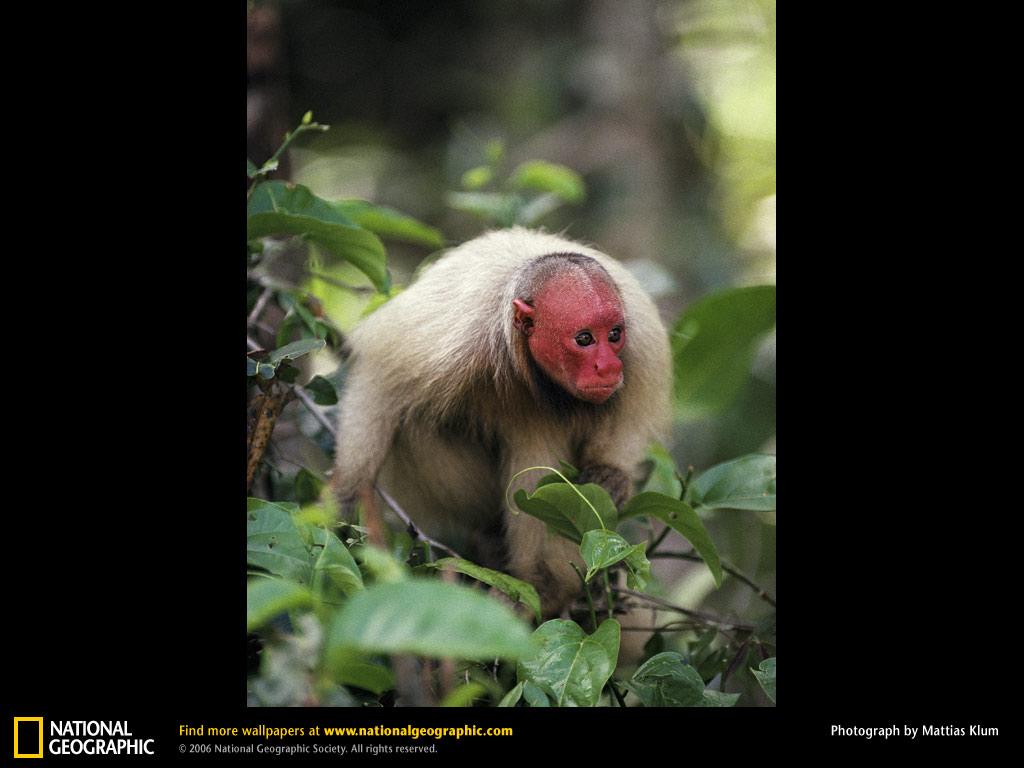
{"points": [[614, 335], [584, 338]]}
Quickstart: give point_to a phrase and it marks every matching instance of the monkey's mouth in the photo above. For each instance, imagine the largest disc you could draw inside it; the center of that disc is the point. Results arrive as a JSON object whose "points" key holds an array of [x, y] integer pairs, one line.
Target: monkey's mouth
{"points": [[598, 392]]}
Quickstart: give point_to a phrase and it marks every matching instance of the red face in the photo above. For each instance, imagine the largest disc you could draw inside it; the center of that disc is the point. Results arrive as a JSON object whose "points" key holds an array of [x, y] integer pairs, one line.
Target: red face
{"points": [[576, 331]]}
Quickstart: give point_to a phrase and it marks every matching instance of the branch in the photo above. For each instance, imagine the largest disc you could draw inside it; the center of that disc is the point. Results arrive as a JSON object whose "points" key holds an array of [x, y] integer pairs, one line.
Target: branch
{"points": [[257, 309], [313, 408], [711, 621], [730, 569], [615, 689], [412, 526], [586, 591], [735, 663], [672, 626], [268, 407], [657, 542]]}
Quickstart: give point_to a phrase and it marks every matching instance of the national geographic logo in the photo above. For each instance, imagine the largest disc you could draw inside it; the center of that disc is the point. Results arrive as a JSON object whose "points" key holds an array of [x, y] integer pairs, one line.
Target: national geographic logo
{"points": [[77, 737], [28, 737]]}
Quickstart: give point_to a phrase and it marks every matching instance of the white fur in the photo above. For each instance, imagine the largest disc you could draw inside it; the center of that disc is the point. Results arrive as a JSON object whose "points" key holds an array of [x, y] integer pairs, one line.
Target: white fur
{"points": [[447, 341]]}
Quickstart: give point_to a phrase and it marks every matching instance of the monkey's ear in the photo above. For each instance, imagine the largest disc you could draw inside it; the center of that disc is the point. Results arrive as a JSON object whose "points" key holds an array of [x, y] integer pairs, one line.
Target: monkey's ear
{"points": [[523, 318]]}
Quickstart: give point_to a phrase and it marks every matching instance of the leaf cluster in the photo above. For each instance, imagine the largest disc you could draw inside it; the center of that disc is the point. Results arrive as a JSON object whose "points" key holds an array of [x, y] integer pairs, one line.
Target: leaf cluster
{"points": [[336, 611]]}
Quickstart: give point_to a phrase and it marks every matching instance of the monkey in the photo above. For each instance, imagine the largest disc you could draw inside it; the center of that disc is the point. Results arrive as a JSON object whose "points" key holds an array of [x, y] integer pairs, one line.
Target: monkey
{"points": [[516, 349]]}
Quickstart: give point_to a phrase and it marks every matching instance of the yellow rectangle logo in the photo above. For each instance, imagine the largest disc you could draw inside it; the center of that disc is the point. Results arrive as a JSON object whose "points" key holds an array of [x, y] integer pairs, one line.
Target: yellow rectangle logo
{"points": [[18, 746]]}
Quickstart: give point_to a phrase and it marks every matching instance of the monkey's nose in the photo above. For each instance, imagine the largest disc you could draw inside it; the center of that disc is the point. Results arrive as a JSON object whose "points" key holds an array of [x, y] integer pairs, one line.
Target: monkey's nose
{"points": [[609, 368]]}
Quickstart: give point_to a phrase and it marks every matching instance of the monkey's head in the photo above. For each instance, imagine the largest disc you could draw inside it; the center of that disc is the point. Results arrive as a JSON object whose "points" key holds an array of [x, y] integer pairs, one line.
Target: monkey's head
{"points": [[575, 329]]}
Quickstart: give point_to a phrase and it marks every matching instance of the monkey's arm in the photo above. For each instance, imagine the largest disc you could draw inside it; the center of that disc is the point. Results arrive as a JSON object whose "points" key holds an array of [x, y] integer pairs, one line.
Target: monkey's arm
{"points": [[366, 430], [614, 480]]}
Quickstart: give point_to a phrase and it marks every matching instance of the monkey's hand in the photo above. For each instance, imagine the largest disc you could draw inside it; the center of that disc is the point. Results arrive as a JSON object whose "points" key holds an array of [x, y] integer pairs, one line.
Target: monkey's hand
{"points": [[612, 479]]}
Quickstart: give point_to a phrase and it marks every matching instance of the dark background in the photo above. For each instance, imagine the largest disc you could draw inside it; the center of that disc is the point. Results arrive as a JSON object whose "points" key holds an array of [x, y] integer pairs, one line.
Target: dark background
{"points": [[120, 610]]}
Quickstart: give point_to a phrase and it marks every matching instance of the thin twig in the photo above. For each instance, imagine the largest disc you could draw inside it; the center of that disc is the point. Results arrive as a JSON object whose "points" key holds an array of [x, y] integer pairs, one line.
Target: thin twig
{"points": [[657, 541], [735, 662], [730, 569], [672, 626], [615, 689], [412, 526], [446, 667], [257, 309], [712, 621], [251, 343], [313, 408], [586, 591], [608, 593]]}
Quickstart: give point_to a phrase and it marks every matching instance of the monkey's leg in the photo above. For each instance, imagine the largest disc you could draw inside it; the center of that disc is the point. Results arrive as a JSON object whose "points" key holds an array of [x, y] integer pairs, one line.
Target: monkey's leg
{"points": [[534, 554], [543, 559]]}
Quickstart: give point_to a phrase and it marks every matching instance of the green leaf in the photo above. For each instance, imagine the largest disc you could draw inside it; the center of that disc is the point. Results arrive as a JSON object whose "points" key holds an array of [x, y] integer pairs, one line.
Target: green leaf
{"points": [[570, 472], [256, 367], [495, 151], [464, 695], [665, 680], [335, 574], [534, 696], [601, 549], [430, 618], [664, 477], [765, 674], [719, 699], [560, 506], [267, 167], [250, 168], [322, 390], [355, 669], [478, 177], [307, 118], [380, 564], [680, 517], [274, 543], [378, 300], [713, 346], [744, 483], [538, 208], [295, 350], [568, 665], [266, 598], [516, 589], [541, 176], [494, 207], [387, 222], [511, 698], [287, 372], [276, 207], [307, 486], [293, 303]]}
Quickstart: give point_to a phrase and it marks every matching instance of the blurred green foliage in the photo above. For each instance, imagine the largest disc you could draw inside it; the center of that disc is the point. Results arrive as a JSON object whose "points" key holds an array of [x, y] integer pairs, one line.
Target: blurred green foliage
{"points": [[645, 127]]}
